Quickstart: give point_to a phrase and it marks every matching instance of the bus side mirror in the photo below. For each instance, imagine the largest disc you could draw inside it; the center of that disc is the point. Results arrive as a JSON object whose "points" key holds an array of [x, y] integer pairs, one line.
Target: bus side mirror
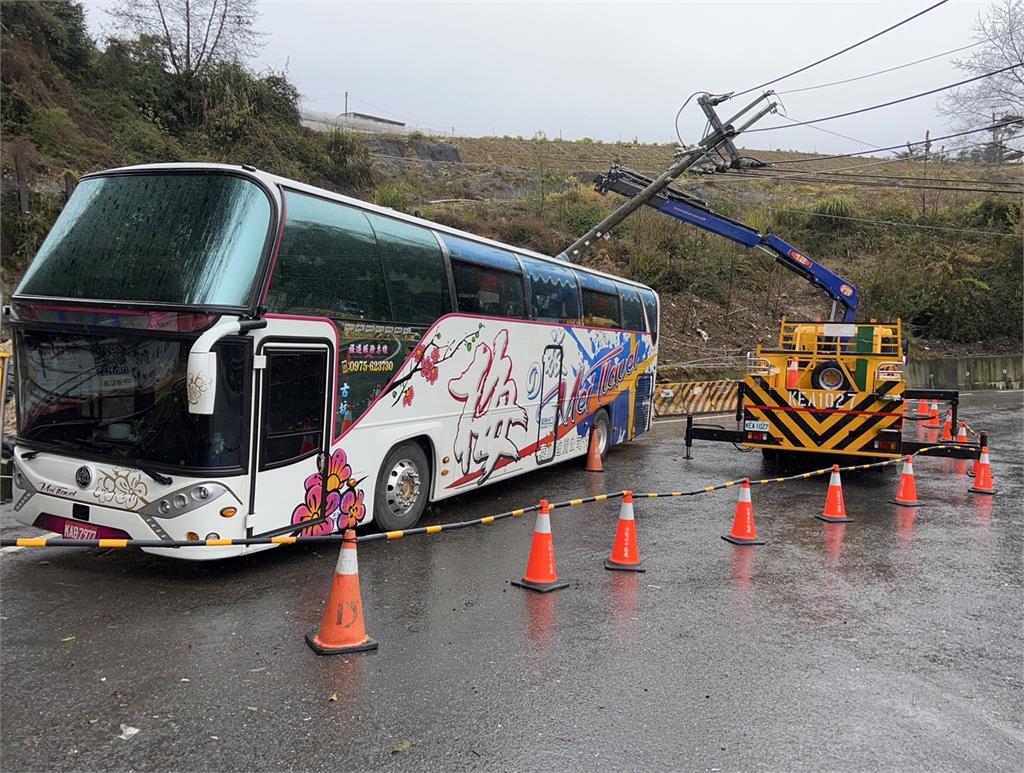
{"points": [[201, 382], [201, 376]]}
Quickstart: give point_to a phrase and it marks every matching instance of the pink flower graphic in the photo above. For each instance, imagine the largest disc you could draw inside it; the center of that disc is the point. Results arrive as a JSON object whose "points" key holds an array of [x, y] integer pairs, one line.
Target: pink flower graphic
{"points": [[428, 369], [352, 506], [435, 354], [311, 510], [417, 353], [338, 473], [408, 396]]}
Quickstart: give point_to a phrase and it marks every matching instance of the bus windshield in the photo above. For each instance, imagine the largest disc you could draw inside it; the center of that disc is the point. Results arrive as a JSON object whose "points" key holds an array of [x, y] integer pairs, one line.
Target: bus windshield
{"points": [[126, 396], [179, 238]]}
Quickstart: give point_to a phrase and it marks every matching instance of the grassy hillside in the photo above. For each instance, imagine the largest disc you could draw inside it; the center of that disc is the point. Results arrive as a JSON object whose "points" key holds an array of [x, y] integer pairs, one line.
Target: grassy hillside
{"points": [[69, 106]]}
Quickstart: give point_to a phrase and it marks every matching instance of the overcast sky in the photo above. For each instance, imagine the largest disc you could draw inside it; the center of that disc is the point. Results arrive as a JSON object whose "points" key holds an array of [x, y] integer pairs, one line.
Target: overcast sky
{"points": [[611, 70]]}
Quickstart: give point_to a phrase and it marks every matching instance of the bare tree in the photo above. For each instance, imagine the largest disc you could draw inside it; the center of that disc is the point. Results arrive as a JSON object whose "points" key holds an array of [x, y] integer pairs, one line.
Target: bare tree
{"points": [[194, 33], [999, 99]]}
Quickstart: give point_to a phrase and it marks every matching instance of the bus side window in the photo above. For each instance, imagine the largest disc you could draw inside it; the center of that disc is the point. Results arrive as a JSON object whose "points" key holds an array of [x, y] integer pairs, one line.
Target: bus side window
{"points": [[651, 307], [414, 267], [632, 308], [328, 263], [601, 307], [488, 291], [554, 292]]}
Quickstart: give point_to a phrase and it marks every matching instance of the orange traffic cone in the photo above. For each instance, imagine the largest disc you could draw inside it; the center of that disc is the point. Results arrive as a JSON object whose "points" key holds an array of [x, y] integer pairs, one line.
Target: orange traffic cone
{"points": [[922, 407], [594, 453], [933, 416], [540, 568], [835, 507], [906, 493], [342, 628], [793, 374], [961, 435], [983, 478], [973, 472], [743, 530], [947, 428], [625, 555]]}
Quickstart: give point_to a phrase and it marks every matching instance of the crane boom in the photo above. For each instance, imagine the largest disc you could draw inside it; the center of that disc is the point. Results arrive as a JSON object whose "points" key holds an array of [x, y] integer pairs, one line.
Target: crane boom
{"points": [[694, 211]]}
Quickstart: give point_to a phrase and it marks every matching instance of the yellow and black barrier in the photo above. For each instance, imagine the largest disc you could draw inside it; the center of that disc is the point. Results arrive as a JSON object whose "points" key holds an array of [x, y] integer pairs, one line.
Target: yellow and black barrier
{"points": [[60, 542], [695, 397]]}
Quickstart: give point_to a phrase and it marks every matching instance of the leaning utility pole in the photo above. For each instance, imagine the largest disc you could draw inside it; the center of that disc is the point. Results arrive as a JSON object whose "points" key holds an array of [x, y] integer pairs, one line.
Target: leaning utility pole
{"points": [[721, 135]]}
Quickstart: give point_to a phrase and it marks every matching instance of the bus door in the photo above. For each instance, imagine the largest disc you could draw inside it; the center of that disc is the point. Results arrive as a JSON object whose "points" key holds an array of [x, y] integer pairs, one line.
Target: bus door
{"points": [[549, 409], [292, 417]]}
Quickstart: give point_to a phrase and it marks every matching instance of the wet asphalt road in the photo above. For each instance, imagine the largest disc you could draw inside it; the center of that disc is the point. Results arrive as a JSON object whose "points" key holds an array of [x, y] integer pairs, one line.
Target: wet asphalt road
{"points": [[894, 642]]}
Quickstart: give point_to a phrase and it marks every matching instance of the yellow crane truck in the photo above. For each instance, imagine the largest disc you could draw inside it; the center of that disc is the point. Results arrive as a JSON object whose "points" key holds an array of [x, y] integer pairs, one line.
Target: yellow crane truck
{"points": [[834, 387]]}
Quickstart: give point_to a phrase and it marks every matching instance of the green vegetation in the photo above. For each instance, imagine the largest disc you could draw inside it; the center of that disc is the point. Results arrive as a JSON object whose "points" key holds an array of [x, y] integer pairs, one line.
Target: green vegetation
{"points": [[70, 106]]}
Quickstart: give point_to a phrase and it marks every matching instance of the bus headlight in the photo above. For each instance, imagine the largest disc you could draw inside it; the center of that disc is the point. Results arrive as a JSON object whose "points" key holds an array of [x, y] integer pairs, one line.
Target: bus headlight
{"points": [[184, 500]]}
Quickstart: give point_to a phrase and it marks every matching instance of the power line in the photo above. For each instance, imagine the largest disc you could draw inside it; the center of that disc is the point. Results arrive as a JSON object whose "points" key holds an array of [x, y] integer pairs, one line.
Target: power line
{"points": [[890, 69], [888, 104], [899, 224], [843, 51], [831, 173], [902, 145], [833, 133], [889, 161], [869, 183]]}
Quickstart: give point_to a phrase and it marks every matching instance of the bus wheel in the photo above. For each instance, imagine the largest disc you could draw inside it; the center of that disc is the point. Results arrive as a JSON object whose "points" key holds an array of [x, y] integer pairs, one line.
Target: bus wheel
{"points": [[402, 488], [603, 427]]}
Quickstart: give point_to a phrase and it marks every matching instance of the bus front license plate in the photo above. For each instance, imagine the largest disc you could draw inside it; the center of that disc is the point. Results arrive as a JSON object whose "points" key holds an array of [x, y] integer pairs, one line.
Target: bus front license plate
{"points": [[73, 530], [755, 426]]}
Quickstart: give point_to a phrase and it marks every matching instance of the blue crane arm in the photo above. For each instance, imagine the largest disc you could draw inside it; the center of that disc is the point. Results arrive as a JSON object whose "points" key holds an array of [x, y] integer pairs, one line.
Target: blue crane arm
{"points": [[691, 210]]}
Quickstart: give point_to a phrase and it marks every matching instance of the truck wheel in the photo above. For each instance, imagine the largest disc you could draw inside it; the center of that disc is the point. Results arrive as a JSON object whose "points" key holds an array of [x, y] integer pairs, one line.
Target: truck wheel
{"points": [[829, 375], [403, 485]]}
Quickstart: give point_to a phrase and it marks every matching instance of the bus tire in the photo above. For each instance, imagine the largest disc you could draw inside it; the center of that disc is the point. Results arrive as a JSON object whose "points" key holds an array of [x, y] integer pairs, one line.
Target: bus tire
{"points": [[829, 375], [403, 486], [603, 426]]}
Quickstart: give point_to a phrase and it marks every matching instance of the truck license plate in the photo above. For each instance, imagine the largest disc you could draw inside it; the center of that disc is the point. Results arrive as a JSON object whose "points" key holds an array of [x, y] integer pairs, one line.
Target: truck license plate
{"points": [[755, 426]]}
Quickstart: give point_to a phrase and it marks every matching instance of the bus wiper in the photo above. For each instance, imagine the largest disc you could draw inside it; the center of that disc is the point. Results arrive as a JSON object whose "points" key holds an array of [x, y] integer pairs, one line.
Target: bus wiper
{"points": [[120, 453], [123, 453]]}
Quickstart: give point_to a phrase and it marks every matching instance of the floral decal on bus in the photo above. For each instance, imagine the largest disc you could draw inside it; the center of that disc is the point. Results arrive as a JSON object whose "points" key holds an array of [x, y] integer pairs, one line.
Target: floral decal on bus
{"points": [[426, 361], [122, 486], [344, 505], [493, 424]]}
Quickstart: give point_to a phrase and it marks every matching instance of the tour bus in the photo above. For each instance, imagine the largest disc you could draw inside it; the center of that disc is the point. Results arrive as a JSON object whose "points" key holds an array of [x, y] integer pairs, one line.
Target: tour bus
{"points": [[212, 352]]}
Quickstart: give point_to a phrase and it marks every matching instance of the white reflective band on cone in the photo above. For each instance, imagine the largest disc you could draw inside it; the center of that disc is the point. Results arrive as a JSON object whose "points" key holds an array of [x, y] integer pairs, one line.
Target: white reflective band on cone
{"points": [[626, 513], [745, 493], [835, 479], [543, 525], [347, 561]]}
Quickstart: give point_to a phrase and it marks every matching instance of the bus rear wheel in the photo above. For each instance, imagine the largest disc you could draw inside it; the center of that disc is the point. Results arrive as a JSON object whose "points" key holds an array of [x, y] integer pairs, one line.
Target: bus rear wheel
{"points": [[403, 485], [603, 427]]}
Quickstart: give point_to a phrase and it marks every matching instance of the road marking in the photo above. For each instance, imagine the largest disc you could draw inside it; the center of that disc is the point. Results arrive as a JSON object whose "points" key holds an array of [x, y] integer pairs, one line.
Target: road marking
{"points": [[16, 548]]}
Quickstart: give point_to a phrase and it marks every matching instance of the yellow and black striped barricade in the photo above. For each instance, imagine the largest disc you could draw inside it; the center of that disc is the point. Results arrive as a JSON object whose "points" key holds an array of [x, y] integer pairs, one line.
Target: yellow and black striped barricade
{"points": [[695, 397]]}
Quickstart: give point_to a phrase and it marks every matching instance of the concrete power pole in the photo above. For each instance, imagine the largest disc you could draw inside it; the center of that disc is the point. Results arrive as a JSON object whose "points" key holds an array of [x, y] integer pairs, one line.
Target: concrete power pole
{"points": [[721, 134]]}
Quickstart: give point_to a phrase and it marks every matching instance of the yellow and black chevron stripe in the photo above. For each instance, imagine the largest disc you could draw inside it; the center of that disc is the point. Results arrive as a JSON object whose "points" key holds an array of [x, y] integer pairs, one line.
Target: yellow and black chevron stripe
{"points": [[849, 429], [695, 397]]}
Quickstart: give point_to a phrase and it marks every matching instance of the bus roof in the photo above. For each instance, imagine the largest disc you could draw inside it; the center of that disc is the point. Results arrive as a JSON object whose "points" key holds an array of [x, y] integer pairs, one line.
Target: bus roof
{"points": [[271, 181]]}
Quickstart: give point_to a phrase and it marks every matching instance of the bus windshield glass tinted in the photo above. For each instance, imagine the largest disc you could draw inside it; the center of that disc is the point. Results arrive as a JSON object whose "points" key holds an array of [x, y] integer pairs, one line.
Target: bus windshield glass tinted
{"points": [[183, 238], [126, 397]]}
